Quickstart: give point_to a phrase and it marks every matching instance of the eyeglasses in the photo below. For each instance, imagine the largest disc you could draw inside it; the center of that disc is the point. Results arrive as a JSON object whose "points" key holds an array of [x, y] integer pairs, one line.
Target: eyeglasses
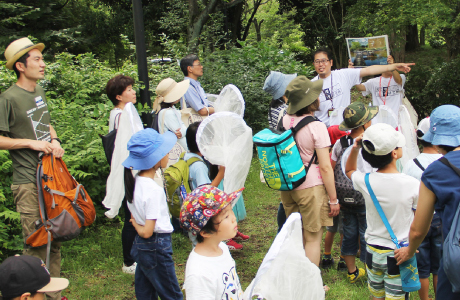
{"points": [[198, 65], [320, 61]]}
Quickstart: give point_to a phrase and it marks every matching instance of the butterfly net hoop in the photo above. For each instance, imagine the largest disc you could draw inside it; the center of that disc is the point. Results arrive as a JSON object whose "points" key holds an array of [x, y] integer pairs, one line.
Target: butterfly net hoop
{"points": [[285, 272], [387, 116], [212, 98], [224, 139], [406, 127], [230, 99]]}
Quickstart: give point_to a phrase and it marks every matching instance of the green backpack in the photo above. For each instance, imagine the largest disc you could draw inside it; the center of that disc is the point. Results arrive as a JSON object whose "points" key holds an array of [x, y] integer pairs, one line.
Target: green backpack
{"points": [[176, 183]]}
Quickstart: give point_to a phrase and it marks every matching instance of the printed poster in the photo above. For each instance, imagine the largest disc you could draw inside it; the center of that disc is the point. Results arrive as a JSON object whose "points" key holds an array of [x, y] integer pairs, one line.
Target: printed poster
{"points": [[368, 51]]}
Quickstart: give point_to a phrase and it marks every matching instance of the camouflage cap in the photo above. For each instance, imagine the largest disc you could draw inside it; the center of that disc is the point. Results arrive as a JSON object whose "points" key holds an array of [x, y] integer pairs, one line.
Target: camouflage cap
{"points": [[357, 114]]}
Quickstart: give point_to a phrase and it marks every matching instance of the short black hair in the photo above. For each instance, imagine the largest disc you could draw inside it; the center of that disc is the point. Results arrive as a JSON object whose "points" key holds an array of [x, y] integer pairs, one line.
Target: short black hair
{"points": [[22, 59], [447, 148], [210, 227], [420, 141], [116, 86], [376, 161], [32, 294], [190, 137], [187, 61], [277, 102], [325, 51]]}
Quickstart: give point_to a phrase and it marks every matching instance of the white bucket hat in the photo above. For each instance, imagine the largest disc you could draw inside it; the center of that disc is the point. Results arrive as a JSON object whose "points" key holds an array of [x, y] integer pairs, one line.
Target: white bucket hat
{"points": [[168, 91], [384, 138], [18, 48]]}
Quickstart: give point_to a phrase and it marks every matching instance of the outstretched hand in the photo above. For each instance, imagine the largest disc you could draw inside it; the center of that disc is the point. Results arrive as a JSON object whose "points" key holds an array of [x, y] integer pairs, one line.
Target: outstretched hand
{"points": [[404, 67]]}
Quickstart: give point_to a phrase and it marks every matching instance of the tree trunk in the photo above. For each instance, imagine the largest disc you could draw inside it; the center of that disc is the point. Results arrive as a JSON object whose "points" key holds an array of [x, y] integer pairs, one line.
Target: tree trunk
{"points": [[257, 26], [412, 42], [197, 20], [397, 41]]}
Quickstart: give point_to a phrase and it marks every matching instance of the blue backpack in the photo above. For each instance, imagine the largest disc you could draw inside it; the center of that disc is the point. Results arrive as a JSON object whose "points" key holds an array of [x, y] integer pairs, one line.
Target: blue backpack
{"points": [[451, 246], [279, 156]]}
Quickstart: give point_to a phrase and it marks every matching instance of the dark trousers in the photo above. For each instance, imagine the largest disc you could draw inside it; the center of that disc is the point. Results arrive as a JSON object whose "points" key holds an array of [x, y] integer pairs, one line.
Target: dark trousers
{"points": [[128, 233]]}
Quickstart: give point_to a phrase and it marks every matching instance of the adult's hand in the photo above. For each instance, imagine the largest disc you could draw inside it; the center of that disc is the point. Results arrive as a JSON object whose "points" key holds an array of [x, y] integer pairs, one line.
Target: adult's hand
{"points": [[57, 149], [178, 134], [335, 209], [403, 67], [42, 146]]}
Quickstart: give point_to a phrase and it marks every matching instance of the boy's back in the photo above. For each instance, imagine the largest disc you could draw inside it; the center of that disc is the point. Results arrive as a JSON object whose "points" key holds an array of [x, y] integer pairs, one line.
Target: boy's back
{"points": [[397, 194]]}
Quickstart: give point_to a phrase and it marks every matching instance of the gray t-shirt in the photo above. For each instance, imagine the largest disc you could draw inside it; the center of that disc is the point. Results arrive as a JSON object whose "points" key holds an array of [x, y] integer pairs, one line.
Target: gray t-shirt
{"points": [[24, 115]]}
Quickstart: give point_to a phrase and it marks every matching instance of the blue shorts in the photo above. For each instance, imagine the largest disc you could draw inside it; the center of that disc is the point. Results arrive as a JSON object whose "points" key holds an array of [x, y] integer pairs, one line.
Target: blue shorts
{"points": [[429, 254], [354, 228], [337, 224]]}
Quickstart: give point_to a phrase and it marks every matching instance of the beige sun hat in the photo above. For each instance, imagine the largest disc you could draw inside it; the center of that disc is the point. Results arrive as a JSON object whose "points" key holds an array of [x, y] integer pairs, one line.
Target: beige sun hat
{"points": [[168, 91], [18, 48]]}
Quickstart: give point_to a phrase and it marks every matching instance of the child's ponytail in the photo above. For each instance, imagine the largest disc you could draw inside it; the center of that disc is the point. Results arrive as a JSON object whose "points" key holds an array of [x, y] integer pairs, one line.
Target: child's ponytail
{"points": [[129, 185]]}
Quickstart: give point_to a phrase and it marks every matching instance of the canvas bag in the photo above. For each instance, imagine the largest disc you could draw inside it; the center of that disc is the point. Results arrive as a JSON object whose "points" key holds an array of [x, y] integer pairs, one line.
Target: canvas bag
{"points": [[451, 246], [409, 272], [189, 115], [108, 140], [279, 157], [65, 206], [346, 194], [177, 185]]}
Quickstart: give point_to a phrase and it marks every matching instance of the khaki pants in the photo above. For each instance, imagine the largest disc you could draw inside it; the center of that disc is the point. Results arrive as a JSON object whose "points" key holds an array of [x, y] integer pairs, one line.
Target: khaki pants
{"points": [[26, 200]]}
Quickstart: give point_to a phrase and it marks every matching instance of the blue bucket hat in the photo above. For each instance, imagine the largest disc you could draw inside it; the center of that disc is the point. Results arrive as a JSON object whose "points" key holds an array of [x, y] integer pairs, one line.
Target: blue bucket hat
{"points": [[444, 126], [276, 83], [147, 147]]}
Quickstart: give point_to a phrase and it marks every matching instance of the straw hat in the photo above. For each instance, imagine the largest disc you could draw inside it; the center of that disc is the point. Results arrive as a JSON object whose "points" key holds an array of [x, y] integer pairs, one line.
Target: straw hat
{"points": [[168, 91], [18, 48]]}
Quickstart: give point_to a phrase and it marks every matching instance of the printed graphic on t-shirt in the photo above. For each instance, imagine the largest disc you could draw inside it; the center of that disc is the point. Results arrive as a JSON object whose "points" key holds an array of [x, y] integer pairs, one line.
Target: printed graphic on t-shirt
{"points": [[331, 93], [232, 289], [382, 91], [36, 115]]}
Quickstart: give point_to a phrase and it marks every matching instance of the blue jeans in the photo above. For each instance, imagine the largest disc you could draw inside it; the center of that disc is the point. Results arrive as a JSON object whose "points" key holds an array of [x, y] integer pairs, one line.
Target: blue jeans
{"points": [[430, 250], [354, 227], [155, 273]]}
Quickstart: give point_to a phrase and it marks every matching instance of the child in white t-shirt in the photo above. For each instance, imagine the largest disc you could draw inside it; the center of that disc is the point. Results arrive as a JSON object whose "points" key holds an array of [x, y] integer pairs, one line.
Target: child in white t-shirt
{"points": [[210, 272], [152, 249], [397, 194]]}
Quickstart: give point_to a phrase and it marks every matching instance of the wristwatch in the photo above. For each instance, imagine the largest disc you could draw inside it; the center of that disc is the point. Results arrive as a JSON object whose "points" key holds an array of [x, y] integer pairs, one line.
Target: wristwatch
{"points": [[57, 139]]}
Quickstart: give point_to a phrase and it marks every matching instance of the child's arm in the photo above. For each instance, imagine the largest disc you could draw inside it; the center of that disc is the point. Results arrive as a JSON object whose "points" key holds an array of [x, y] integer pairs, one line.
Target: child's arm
{"points": [[219, 176], [145, 231], [351, 165], [327, 173], [395, 73]]}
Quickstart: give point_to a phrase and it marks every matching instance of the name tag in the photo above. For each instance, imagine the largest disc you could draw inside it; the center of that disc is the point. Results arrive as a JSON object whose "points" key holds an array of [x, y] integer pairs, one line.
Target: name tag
{"points": [[39, 101]]}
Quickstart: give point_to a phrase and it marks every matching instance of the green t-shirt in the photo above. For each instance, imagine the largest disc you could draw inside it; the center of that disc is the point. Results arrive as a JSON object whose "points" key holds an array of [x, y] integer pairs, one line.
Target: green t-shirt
{"points": [[24, 115]]}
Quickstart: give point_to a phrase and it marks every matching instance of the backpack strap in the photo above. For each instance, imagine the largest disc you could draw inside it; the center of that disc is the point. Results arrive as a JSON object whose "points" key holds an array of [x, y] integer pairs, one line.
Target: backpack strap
{"points": [[304, 122], [346, 141], [420, 165], [448, 163]]}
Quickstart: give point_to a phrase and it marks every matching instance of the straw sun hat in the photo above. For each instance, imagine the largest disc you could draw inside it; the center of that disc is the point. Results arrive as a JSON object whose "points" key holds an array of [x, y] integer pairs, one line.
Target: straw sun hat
{"points": [[18, 48], [168, 91]]}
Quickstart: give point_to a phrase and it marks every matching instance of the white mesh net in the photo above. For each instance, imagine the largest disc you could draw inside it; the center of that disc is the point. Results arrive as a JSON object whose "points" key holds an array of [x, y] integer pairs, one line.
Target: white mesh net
{"points": [[406, 127], [224, 139], [387, 116], [412, 113], [285, 272], [212, 98], [230, 99]]}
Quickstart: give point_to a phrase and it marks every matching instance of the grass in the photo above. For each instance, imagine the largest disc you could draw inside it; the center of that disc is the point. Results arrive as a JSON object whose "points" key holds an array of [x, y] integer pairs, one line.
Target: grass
{"points": [[93, 261]]}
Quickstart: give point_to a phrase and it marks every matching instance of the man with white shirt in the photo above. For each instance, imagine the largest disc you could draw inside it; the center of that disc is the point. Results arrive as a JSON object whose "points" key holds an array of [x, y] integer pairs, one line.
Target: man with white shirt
{"points": [[338, 83]]}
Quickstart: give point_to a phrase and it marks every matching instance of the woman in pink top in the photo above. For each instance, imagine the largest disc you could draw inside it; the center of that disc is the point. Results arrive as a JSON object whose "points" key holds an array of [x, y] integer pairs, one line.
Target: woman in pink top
{"points": [[315, 199]]}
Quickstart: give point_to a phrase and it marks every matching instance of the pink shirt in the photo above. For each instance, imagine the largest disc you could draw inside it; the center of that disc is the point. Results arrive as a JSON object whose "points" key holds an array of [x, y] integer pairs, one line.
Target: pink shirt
{"points": [[311, 137]]}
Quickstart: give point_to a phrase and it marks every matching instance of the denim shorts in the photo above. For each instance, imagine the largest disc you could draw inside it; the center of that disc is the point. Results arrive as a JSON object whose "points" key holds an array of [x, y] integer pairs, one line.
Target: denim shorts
{"points": [[429, 254], [354, 228], [337, 226]]}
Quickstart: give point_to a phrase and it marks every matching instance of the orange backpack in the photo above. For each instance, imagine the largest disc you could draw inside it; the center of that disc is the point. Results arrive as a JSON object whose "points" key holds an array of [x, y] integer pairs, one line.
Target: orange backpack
{"points": [[65, 206]]}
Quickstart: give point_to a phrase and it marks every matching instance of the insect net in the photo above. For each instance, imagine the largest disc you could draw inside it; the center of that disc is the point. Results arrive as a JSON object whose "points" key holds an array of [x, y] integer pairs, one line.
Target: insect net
{"points": [[406, 127], [212, 99], [387, 116], [224, 139], [230, 99], [285, 272]]}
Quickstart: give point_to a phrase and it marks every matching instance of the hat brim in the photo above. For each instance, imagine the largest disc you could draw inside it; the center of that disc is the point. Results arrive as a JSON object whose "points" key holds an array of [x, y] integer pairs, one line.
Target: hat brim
{"points": [[10, 63], [438, 139], [146, 163], [55, 285], [373, 111], [287, 79], [312, 96], [177, 92]]}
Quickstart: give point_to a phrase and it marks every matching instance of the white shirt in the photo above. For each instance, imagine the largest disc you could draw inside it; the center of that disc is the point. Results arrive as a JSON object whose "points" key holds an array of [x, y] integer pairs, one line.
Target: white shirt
{"points": [[209, 278], [171, 119], [397, 194], [379, 90], [339, 95], [113, 117], [150, 204], [425, 160]]}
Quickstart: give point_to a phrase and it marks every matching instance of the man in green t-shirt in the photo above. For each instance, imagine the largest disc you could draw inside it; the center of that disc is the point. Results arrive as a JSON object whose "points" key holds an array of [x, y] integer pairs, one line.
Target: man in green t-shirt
{"points": [[25, 130]]}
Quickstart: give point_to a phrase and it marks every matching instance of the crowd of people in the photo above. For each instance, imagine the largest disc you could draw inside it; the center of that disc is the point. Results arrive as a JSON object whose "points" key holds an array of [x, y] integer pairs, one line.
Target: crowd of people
{"points": [[419, 201]]}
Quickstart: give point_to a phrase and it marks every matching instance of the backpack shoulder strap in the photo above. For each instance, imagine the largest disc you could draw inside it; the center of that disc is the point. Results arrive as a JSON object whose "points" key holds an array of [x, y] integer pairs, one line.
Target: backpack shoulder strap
{"points": [[192, 160], [346, 141], [304, 122], [448, 163], [420, 165]]}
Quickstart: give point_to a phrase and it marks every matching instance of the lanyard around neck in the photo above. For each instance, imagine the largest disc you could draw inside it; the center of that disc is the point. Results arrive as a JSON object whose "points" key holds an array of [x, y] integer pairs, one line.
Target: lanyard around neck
{"points": [[380, 89]]}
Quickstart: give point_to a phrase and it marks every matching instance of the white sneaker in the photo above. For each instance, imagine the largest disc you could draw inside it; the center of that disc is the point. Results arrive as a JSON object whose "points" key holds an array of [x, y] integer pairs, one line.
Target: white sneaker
{"points": [[129, 270]]}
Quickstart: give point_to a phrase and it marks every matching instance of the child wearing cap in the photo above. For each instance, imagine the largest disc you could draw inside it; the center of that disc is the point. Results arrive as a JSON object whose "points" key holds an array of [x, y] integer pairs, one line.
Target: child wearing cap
{"points": [[26, 277], [210, 272], [152, 250], [397, 194]]}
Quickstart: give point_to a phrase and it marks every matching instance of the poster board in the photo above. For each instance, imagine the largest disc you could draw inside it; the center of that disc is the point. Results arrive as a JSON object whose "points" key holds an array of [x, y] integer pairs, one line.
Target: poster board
{"points": [[368, 51]]}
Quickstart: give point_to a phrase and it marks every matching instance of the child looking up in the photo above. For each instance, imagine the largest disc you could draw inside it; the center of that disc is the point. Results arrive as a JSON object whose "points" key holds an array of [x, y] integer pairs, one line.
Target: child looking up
{"points": [[210, 272], [397, 194], [152, 250]]}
